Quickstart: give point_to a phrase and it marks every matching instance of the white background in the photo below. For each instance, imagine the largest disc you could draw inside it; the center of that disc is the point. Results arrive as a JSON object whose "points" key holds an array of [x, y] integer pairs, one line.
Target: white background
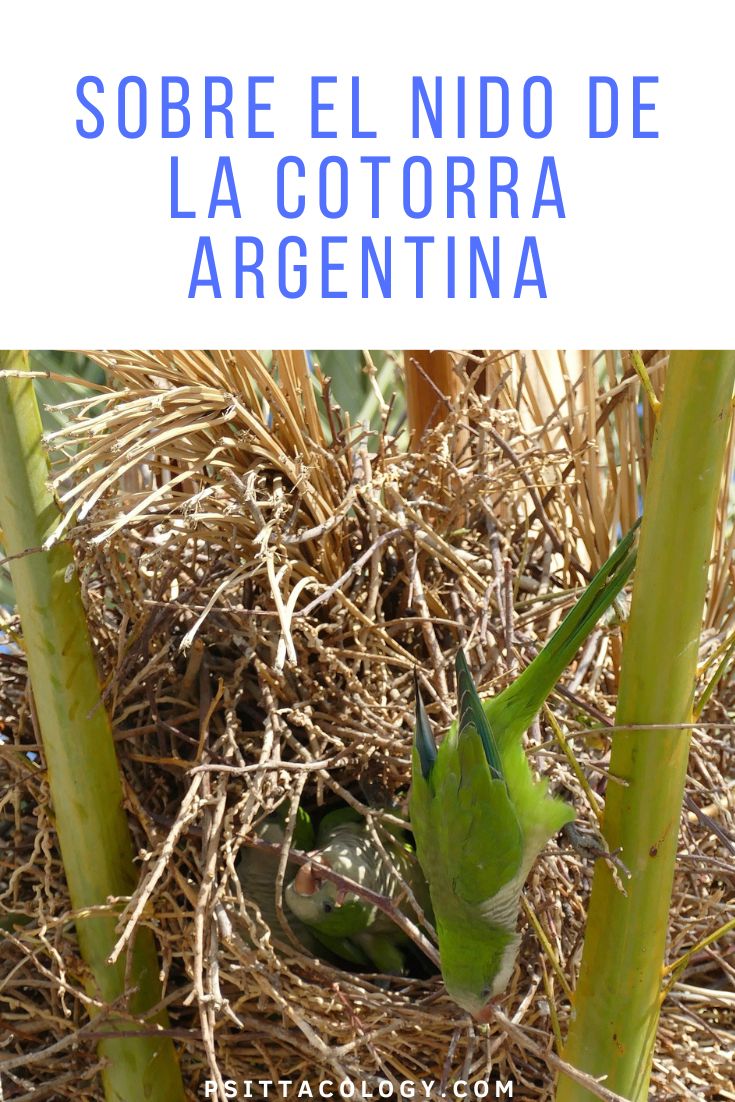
{"points": [[91, 258]]}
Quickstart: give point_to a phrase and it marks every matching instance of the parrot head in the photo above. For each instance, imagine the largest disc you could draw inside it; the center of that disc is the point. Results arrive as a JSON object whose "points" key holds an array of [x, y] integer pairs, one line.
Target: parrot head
{"points": [[320, 903], [477, 967]]}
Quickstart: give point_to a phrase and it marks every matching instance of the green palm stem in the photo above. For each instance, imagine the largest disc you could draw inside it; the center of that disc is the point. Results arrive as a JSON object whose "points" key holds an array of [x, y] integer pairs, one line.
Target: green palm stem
{"points": [[619, 991], [79, 752]]}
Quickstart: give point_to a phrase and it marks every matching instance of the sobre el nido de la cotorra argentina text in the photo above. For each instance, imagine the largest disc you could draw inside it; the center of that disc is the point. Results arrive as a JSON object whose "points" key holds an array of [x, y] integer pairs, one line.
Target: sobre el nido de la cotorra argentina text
{"points": [[463, 217]]}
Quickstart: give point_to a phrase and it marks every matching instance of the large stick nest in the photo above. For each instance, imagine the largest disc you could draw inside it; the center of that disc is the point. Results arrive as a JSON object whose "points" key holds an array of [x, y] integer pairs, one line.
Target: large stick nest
{"points": [[261, 581]]}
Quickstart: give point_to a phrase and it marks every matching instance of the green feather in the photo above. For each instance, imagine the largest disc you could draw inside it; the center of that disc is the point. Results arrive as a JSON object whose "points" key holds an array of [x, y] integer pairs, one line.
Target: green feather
{"points": [[344, 947], [425, 743], [303, 833], [478, 816], [333, 819], [472, 716], [486, 825], [384, 952]]}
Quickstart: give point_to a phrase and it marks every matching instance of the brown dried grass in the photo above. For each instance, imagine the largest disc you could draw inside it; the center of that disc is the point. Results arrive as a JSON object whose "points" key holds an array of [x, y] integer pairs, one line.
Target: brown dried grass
{"points": [[260, 586]]}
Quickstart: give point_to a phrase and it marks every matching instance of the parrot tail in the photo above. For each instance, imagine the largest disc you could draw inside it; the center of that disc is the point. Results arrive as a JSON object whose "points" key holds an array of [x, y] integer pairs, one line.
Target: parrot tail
{"points": [[528, 692]]}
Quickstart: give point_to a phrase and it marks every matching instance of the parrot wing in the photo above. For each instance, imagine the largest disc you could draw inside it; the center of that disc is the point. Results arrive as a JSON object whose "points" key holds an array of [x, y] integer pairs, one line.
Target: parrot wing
{"points": [[472, 716], [485, 847], [384, 953], [424, 742], [467, 832], [303, 834], [344, 948], [333, 819]]}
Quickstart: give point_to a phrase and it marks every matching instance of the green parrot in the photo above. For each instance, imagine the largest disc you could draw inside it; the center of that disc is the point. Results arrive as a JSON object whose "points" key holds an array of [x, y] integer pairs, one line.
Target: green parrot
{"points": [[478, 817], [344, 922], [257, 868]]}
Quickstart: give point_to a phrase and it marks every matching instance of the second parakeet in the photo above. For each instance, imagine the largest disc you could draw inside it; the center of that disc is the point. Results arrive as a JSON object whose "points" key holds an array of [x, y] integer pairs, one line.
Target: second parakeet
{"points": [[257, 870], [478, 816], [344, 922]]}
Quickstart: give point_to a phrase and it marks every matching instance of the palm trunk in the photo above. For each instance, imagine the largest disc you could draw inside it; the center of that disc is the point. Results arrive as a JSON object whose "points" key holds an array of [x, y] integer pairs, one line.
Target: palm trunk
{"points": [[431, 384], [619, 990], [79, 753]]}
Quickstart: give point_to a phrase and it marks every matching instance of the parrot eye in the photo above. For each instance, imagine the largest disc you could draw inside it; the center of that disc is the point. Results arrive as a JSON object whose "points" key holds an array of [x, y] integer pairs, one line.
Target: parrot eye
{"points": [[328, 908]]}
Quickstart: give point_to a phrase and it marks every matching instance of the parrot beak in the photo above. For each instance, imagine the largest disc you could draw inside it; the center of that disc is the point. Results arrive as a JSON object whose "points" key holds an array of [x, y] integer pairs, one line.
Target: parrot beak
{"points": [[305, 882], [486, 1014]]}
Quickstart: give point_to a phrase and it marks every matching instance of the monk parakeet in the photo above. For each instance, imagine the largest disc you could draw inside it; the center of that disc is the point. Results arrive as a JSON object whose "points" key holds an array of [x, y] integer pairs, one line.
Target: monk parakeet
{"points": [[344, 922], [479, 818], [257, 868]]}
